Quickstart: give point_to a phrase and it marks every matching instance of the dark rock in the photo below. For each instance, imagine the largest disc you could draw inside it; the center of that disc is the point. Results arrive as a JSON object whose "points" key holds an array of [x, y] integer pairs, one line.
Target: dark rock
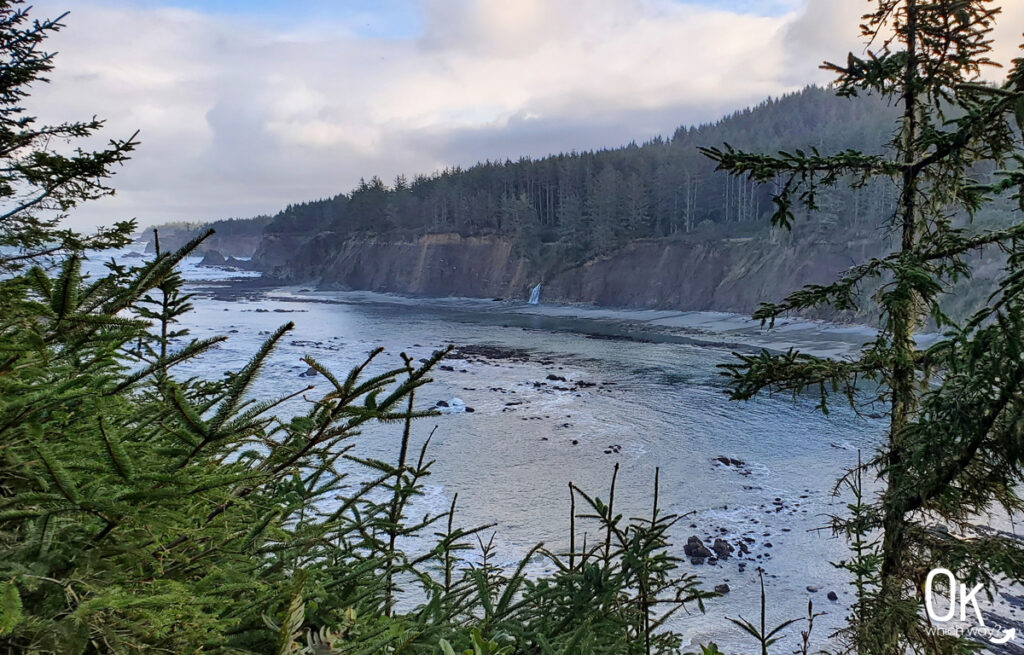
{"points": [[441, 403], [556, 378], [723, 548], [695, 548], [697, 560], [813, 589], [309, 373], [234, 262], [490, 352], [445, 367], [575, 442], [730, 461], [833, 596], [722, 588], [213, 258], [470, 410]]}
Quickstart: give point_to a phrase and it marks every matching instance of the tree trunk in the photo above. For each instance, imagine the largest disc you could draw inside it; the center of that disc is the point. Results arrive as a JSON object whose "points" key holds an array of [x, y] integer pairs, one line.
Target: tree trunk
{"points": [[903, 319]]}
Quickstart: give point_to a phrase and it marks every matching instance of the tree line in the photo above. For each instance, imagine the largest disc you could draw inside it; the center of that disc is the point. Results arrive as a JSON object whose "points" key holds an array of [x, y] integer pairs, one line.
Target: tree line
{"points": [[593, 202]]}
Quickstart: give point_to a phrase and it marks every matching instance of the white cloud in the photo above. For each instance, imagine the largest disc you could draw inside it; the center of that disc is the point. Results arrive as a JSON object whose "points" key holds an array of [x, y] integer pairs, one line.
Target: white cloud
{"points": [[238, 117]]}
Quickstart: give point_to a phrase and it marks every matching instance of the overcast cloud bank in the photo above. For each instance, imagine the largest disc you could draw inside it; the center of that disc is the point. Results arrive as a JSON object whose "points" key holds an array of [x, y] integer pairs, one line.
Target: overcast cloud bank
{"points": [[240, 116]]}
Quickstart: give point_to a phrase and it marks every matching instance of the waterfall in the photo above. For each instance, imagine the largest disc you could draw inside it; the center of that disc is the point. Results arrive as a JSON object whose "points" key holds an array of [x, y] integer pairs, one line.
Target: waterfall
{"points": [[535, 295]]}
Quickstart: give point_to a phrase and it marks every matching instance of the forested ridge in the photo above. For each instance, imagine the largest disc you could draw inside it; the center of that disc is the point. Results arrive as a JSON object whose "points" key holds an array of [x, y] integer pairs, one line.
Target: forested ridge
{"points": [[645, 225], [593, 202]]}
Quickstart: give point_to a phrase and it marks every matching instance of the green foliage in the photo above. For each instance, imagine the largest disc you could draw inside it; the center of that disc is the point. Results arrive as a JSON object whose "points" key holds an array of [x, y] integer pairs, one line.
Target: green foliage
{"points": [[480, 647], [954, 450], [760, 633], [10, 608]]}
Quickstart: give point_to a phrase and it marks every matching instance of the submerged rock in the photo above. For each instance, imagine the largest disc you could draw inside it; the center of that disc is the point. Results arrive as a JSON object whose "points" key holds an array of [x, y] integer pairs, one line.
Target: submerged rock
{"points": [[722, 588]]}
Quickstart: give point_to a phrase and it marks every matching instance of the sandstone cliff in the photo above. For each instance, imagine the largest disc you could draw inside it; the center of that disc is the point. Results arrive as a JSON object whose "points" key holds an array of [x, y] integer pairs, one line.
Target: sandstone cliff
{"points": [[724, 274]]}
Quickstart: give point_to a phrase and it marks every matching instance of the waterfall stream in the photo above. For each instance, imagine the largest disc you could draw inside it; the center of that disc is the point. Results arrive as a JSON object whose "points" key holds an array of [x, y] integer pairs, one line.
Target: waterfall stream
{"points": [[535, 295]]}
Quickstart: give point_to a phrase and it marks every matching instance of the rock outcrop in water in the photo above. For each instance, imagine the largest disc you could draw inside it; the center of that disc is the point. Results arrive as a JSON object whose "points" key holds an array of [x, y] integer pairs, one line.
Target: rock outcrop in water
{"points": [[695, 548], [213, 258]]}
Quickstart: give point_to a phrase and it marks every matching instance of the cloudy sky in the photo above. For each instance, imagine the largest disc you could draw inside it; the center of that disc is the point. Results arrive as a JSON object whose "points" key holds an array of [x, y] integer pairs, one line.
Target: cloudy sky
{"points": [[244, 106]]}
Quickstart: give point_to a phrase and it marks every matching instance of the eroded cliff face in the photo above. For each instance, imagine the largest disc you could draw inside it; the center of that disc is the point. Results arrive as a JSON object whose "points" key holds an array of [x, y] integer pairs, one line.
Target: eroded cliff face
{"points": [[727, 274], [431, 265]]}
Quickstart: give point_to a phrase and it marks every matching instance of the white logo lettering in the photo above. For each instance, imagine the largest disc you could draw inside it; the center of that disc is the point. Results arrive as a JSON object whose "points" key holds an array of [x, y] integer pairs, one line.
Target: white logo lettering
{"points": [[966, 597], [929, 595], [958, 591]]}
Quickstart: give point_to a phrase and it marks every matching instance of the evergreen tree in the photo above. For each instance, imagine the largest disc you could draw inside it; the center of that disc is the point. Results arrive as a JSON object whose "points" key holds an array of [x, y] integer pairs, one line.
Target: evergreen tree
{"points": [[40, 184], [955, 446]]}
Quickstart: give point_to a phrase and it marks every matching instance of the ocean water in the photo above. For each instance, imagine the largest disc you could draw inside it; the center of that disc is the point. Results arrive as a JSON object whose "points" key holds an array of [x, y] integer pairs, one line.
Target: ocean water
{"points": [[657, 400]]}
